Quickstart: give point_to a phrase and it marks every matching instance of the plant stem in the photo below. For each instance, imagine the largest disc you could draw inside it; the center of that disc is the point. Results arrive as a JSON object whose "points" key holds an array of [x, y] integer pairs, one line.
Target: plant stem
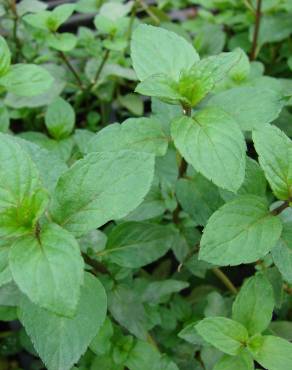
{"points": [[15, 25], [96, 265], [281, 208], [71, 68], [151, 341], [181, 171], [149, 12], [225, 280], [253, 52], [101, 66]]}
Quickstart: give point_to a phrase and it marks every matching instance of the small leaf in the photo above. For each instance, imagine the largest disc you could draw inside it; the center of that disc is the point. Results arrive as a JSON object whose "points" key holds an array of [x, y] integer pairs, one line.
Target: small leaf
{"points": [[22, 198], [126, 308], [243, 361], [59, 15], [227, 335], [5, 57], [101, 187], [282, 253], [60, 119], [213, 144], [48, 269], [273, 353], [254, 305], [60, 341], [62, 41], [135, 244], [242, 231], [155, 50], [26, 80], [198, 197], [275, 157], [137, 134], [250, 107]]}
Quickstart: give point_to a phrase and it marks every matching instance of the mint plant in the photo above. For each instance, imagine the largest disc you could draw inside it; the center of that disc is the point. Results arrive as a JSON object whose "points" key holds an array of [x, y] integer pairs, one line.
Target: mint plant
{"points": [[134, 238]]}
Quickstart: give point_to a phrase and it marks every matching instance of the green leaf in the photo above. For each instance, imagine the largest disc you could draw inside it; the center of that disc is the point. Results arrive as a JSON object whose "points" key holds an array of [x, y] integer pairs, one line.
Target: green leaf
{"points": [[26, 80], [254, 182], [282, 252], [5, 57], [60, 341], [254, 305], [62, 41], [38, 20], [142, 355], [60, 119], [225, 334], [158, 290], [198, 197], [281, 329], [48, 268], [50, 166], [250, 107], [22, 199], [162, 87], [5, 273], [158, 51], [243, 361], [273, 353], [126, 308], [135, 244], [213, 144], [59, 15], [101, 343], [101, 187], [242, 231], [275, 157], [4, 119], [137, 134]]}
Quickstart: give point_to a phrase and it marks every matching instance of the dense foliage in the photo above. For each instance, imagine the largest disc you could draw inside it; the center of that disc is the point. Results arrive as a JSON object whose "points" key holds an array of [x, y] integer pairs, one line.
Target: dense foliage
{"points": [[163, 241]]}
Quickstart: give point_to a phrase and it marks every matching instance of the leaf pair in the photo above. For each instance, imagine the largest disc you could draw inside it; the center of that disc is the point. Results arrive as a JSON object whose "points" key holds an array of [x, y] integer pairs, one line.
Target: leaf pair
{"points": [[240, 338], [169, 67], [244, 230]]}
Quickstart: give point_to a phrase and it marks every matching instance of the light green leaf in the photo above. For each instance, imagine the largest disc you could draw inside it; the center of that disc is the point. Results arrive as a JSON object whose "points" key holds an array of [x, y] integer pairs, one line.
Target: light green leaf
{"points": [[135, 244], [137, 134], [281, 329], [198, 197], [60, 341], [254, 305], [62, 41], [250, 107], [225, 334], [273, 353], [158, 51], [243, 361], [22, 199], [26, 80], [30, 6], [162, 87], [213, 144], [101, 187], [48, 268], [59, 15], [242, 231], [50, 166], [38, 20], [60, 119], [5, 273], [282, 252], [275, 157], [5, 57], [101, 343], [254, 182]]}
